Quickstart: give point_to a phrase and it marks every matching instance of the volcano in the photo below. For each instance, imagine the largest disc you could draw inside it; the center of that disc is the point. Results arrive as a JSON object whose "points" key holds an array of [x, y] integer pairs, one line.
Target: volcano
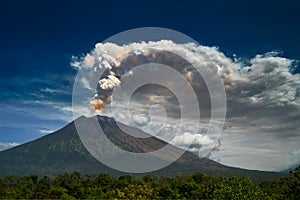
{"points": [[62, 151]]}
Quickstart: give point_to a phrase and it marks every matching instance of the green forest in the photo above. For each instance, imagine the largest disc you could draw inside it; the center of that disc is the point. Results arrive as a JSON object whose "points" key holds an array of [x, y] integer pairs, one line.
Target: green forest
{"points": [[197, 186]]}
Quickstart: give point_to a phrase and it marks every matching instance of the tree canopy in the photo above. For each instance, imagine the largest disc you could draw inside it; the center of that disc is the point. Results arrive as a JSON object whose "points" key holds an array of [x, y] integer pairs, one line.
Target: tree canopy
{"points": [[103, 186]]}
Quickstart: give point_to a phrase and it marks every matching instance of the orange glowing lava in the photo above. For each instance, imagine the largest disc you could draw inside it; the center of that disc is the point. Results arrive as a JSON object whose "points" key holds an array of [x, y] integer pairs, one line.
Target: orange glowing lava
{"points": [[97, 106], [153, 55]]}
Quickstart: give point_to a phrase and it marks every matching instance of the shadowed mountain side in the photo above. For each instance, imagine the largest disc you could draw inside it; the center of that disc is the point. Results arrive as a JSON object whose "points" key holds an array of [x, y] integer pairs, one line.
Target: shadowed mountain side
{"points": [[63, 151]]}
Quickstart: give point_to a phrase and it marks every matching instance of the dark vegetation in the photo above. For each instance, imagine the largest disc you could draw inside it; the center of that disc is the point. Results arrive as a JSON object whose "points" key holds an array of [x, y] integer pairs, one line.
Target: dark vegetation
{"points": [[197, 186]]}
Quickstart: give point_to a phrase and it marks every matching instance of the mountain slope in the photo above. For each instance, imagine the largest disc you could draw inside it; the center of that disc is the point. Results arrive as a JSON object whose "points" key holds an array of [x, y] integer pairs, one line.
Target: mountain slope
{"points": [[63, 151]]}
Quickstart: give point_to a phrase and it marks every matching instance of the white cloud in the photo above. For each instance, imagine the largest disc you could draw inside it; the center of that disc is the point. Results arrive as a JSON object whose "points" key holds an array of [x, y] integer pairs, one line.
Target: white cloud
{"points": [[4, 146], [57, 91], [188, 138], [140, 119], [75, 62], [45, 131]]}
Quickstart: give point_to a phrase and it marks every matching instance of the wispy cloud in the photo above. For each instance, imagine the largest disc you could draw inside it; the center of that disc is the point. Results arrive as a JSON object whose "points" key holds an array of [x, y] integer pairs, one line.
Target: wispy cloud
{"points": [[31, 104], [4, 146], [46, 131]]}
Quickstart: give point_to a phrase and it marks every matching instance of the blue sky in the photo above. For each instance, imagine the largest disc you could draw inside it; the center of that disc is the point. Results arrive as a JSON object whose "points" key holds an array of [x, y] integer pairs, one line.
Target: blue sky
{"points": [[38, 39]]}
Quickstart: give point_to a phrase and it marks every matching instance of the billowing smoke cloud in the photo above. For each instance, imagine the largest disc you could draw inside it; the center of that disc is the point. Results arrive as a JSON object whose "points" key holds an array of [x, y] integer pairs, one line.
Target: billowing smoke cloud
{"points": [[110, 82], [117, 61], [263, 104]]}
